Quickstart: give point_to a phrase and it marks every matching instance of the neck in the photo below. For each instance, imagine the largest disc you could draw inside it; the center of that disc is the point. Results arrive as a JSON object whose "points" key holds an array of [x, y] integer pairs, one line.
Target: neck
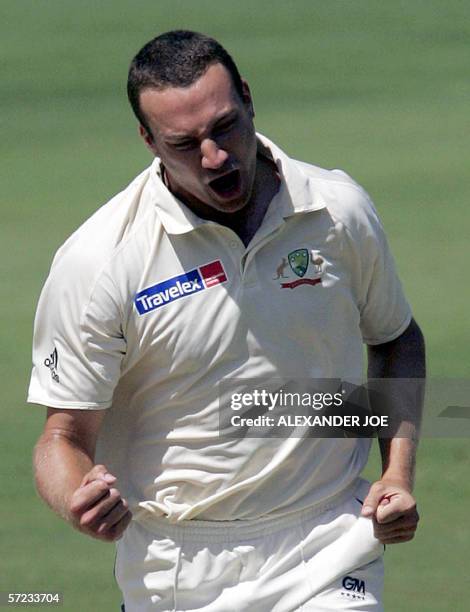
{"points": [[246, 222]]}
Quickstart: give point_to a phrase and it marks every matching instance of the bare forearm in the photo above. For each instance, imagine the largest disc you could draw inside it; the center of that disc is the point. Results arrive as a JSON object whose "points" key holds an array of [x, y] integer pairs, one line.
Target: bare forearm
{"points": [[59, 467], [67, 479], [399, 461], [402, 359]]}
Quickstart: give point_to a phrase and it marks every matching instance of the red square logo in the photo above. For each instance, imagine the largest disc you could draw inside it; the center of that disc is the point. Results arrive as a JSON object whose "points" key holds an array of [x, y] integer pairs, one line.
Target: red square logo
{"points": [[213, 273]]}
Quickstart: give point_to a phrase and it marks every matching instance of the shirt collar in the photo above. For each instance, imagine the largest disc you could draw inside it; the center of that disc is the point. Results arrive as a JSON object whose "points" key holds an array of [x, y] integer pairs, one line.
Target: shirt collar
{"points": [[296, 193], [175, 216]]}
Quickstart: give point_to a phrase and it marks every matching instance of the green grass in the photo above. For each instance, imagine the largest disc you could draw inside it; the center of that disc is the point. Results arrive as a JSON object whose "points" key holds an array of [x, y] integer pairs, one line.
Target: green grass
{"points": [[378, 89]]}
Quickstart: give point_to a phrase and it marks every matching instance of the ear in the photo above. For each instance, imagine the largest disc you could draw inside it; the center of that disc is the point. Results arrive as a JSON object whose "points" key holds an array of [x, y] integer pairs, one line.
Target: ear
{"points": [[148, 139], [247, 99]]}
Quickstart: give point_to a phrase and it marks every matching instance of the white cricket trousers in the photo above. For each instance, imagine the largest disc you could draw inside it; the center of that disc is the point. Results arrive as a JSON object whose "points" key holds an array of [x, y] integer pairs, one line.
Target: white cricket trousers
{"points": [[315, 560]]}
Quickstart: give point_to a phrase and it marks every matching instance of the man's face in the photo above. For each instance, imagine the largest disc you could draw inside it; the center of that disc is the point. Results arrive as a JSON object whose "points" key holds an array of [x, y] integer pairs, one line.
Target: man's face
{"points": [[205, 138]]}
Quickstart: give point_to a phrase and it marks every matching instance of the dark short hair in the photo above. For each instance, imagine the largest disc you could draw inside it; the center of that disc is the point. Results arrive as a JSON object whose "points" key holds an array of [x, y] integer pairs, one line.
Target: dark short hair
{"points": [[175, 59]]}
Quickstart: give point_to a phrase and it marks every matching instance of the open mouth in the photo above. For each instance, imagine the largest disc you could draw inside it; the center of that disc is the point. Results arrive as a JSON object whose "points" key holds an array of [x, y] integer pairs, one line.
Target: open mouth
{"points": [[227, 184]]}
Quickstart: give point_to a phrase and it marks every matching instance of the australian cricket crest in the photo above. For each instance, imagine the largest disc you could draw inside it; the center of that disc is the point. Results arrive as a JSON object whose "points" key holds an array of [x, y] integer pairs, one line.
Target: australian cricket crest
{"points": [[300, 267], [298, 261]]}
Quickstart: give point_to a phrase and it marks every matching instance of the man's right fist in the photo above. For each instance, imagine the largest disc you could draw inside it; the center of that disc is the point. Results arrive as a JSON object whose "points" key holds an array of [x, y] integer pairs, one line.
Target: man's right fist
{"points": [[97, 508]]}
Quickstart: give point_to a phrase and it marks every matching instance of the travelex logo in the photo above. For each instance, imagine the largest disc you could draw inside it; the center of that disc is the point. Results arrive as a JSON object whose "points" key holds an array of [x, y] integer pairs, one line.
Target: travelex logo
{"points": [[180, 286]]}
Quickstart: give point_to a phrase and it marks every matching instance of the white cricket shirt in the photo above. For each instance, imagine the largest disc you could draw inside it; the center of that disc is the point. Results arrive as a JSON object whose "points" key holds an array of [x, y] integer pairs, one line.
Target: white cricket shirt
{"points": [[148, 307]]}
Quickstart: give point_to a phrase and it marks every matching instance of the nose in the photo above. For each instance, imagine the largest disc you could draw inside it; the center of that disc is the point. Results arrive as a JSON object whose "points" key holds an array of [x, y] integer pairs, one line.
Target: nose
{"points": [[213, 157]]}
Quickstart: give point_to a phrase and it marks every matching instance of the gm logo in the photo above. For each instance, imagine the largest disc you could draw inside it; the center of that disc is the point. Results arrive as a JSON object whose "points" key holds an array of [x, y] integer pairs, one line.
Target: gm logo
{"points": [[354, 584], [180, 286]]}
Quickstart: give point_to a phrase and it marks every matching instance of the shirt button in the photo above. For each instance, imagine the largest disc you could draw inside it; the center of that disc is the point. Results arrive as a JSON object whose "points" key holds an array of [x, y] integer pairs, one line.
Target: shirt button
{"points": [[234, 244]]}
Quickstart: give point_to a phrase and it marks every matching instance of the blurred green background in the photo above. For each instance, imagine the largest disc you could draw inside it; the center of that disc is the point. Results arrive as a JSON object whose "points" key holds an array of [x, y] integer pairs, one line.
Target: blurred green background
{"points": [[380, 89]]}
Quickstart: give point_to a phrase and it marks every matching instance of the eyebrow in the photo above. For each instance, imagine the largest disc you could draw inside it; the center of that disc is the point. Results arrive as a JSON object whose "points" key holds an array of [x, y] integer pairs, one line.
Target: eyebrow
{"points": [[176, 138]]}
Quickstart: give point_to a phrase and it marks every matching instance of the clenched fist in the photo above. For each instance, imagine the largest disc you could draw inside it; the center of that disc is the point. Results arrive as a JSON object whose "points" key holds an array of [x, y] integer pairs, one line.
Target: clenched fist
{"points": [[97, 508], [393, 510]]}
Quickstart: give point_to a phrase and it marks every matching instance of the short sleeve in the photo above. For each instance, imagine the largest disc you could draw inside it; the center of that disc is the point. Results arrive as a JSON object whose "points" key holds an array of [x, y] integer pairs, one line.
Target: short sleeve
{"points": [[384, 311], [78, 343]]}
